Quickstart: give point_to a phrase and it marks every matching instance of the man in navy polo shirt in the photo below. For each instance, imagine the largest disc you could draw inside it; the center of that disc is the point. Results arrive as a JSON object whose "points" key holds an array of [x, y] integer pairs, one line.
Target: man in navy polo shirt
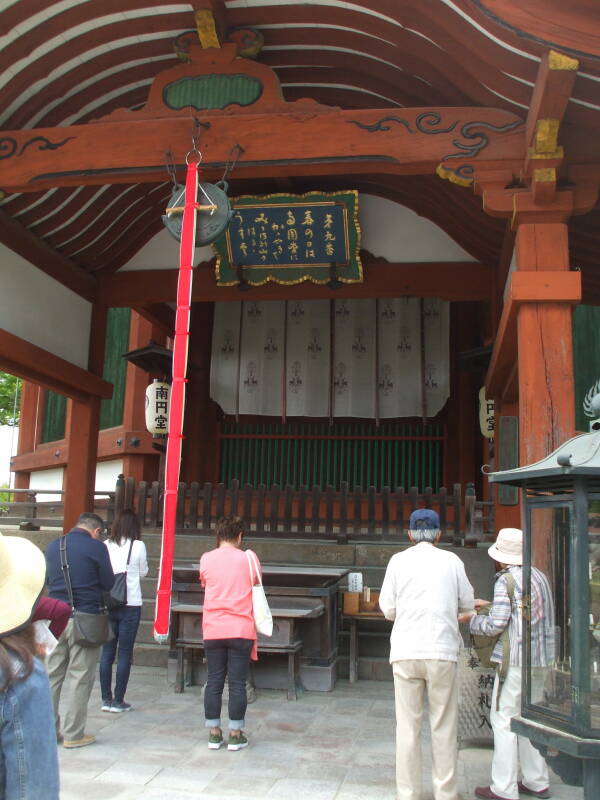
{"points": [[91, 573]]}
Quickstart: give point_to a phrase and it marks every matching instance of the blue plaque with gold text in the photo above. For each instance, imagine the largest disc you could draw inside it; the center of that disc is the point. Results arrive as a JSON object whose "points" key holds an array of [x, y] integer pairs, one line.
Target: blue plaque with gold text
{"points": [[291, 238]]}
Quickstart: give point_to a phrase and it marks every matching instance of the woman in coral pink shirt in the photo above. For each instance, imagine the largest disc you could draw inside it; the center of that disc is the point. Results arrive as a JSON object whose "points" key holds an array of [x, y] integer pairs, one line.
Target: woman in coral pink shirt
{"points": [[228, 630]]}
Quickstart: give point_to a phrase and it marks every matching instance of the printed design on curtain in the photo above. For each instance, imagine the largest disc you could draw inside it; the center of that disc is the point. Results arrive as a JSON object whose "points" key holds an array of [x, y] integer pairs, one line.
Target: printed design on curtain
{"points": [[385, 383], [250, 381], [339, 381], [295, 381], [341, 311], [247, 373], [227, 348], [314, 345], [271, 343], [297, 312]]}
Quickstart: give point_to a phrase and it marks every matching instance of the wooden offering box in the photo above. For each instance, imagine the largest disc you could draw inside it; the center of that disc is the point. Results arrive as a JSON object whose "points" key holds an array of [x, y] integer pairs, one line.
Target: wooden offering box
{"points": [[355, 603]]}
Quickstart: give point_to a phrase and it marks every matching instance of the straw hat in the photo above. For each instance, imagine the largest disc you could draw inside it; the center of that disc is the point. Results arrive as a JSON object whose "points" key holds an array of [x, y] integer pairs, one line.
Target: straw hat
{"points": [[508, 547], [22, 576]]}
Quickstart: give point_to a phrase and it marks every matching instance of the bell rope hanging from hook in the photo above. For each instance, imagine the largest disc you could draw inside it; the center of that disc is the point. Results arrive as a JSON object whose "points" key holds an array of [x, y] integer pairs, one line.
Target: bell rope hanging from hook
{"points": [[211, 200]]}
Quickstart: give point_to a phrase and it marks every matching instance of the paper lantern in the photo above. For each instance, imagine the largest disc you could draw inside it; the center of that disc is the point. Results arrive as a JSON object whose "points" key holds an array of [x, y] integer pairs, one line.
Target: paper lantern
{"points": [[486, 415], [157, 407]]}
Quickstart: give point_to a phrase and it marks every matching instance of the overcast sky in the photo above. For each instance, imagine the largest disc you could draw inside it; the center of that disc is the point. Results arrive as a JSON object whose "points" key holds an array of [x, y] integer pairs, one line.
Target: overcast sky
{"points": [[6, 434]]}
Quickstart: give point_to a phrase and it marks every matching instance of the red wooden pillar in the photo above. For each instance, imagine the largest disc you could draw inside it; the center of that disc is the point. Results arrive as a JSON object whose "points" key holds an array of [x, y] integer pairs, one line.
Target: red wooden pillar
{"points": [[82, 430], [545, 348], [31, 395], [463, 456]]}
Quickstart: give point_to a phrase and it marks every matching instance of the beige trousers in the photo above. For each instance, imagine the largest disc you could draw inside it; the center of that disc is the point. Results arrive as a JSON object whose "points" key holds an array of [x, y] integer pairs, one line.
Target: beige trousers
{"points": [[77, 665], [411, 680]]}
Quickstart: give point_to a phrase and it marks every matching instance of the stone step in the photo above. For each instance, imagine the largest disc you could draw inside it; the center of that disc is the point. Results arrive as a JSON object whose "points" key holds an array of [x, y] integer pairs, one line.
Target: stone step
{"points": [[150, 655]]}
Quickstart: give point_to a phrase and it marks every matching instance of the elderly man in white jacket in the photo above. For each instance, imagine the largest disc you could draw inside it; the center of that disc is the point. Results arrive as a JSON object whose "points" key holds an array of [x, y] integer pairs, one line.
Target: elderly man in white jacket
{"points": [[423, 591]]}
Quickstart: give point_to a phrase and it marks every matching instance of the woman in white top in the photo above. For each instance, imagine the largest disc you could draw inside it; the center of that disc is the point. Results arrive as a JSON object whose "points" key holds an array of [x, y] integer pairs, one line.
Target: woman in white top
{"points": [[124, 537]]}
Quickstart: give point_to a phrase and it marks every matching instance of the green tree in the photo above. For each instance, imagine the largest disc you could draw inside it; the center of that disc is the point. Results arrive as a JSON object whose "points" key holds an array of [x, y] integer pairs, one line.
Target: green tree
{"points": [[9, 389]]}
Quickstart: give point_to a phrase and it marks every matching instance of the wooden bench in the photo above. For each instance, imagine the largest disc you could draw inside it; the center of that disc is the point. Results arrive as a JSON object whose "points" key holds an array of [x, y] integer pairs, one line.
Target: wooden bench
{"points": [[187, 638]]}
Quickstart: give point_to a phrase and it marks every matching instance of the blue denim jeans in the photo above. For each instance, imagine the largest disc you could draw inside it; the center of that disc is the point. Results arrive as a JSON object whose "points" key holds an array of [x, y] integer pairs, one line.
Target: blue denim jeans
{"points": [[231, 658], [28, 757], [125, 623]]}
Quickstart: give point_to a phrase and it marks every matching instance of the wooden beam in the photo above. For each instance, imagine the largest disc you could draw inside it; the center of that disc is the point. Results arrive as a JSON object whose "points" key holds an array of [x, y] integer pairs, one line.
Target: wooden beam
{"points": [[158, 314], [324, 142], [33, 249], [553, 85], [56, 454], [34, 364], [206, 27], [529, 287], [454, 281]]}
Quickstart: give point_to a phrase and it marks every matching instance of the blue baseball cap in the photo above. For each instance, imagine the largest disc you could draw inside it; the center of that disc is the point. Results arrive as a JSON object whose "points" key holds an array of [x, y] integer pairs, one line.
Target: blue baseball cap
{"points": [[424, 519]]}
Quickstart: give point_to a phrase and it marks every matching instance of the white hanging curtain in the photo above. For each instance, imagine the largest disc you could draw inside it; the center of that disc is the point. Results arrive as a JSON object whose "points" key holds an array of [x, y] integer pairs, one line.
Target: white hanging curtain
{"points": [[411, 376], [437, 354], [224, 363], [354, 359], [399, 370], [260, 388], [307, 361]]}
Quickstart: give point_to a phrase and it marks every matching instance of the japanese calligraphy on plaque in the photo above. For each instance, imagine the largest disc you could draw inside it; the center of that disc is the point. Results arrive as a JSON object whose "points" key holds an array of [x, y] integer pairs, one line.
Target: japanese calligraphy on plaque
{"points": [[291, 238]]}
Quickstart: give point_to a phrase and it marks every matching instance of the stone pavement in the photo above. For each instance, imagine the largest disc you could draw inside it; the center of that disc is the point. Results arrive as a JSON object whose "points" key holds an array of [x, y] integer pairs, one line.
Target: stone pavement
{"points": [[325, 746]]}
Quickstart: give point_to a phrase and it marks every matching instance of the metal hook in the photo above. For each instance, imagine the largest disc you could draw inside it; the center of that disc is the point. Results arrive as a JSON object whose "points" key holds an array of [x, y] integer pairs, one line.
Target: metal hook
{"points": [[170, 164], [232, 159]]}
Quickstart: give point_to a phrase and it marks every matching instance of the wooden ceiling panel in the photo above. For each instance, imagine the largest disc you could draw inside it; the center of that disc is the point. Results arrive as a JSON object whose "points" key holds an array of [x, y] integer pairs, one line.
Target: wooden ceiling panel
{"points": [[92, 58]]}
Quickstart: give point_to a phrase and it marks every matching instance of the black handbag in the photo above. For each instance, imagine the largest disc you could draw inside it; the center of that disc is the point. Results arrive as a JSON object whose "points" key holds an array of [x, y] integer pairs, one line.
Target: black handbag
{"points": [[117, 596], [89, 630]]}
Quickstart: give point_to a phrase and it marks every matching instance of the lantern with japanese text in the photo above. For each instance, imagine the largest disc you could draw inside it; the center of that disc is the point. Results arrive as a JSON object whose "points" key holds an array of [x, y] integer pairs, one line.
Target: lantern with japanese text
{"points": [[157, 407]]}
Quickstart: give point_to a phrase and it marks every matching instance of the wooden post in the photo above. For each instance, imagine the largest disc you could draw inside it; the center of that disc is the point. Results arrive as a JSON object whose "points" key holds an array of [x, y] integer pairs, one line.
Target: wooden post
{"points": [[28, 431], [82, 430], [545, 348], [80, 471]]}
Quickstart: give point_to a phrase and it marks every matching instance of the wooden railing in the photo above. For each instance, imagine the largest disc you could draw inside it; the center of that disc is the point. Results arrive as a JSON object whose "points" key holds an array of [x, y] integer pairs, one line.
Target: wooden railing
{"points": [[311, 513], [29, 512]]}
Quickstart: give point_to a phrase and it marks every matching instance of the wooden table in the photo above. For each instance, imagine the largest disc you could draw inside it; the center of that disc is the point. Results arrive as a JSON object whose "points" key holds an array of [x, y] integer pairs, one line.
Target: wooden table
{"points": [[353, 620], [308, 589], [187, 632]]}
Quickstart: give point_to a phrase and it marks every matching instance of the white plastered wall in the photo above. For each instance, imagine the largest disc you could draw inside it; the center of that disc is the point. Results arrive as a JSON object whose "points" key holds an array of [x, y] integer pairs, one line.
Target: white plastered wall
{"points": [[388, 229], [42, 311], [107, 473], [47, 479]]}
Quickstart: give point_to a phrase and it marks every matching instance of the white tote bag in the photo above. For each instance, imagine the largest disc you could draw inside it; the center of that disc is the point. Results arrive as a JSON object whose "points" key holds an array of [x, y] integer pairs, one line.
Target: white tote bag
{"points": [[260, 607]]}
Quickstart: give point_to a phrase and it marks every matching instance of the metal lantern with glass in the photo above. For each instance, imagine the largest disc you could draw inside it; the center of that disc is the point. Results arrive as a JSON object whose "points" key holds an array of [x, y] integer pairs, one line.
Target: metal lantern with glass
{"points": [[561, 650]]}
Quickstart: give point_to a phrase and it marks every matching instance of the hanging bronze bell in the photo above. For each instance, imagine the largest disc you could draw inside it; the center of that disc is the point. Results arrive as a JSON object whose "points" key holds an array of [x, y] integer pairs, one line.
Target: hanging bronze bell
{"points": [[209, 224]]}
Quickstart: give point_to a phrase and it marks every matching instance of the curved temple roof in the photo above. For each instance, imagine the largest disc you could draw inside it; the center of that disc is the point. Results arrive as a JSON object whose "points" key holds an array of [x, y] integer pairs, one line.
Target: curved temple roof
{"points": [[70, 62]]}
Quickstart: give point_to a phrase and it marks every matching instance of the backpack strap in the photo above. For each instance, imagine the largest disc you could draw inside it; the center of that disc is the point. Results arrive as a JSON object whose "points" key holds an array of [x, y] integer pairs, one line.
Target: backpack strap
{"points": [[65, 569], [502, 669]]}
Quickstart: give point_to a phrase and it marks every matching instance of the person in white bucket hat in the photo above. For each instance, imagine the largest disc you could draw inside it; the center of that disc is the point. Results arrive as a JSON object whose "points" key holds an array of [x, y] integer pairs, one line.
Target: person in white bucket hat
{"points": [[28, 757], [512, 751]]}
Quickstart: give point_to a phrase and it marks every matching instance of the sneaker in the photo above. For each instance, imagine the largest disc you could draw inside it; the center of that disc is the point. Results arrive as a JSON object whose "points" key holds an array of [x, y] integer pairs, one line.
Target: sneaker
{"points": [[488, 793], [118, 708], [532, 793], [215, 740], [83, 742], [237, 742], [106, 705]]}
